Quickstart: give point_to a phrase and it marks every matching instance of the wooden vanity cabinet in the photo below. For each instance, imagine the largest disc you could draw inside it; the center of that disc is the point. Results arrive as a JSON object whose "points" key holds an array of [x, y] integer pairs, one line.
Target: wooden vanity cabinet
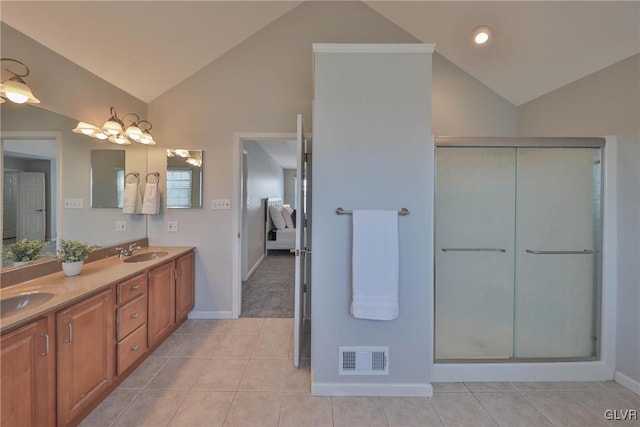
{"points": [[86, 353], [27, 361], [185, 290], [131, 321], [162, 303]]}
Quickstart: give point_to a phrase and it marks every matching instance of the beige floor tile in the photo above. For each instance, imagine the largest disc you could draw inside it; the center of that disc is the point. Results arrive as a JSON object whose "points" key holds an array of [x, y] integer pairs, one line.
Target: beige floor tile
{"points": [[199, 346], [152, 408], [511, 409], [212, 326], [170, 346], [460, 409], [188, 327], [557, 386], [410, 412], [254, 409], [298, 378], [482, 387], [264, 375], [302, 409], [449, 388], [178, 374], [272, 346], [203, 409], [246, 326], [562, 410], [144, 373], [603, 402], [358, 412], [235, 347], [110, 408], [631, 397], [278, 326], [221, 375], [612, 385]]}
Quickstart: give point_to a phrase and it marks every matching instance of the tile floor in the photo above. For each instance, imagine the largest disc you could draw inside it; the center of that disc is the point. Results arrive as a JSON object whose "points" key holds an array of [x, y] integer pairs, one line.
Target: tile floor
{"points": [[240, 373]]}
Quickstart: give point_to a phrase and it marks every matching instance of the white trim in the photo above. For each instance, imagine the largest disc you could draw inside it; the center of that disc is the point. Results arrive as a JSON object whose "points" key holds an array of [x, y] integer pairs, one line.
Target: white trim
{"points": [[372, 389], [255, 267], [211, 315], [601, 370], [373, 47], [628, 382]]}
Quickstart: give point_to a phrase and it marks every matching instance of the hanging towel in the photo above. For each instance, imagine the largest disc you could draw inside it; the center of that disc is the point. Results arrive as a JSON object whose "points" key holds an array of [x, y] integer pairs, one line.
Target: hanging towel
{"points": [[151, 202], [130, 198], [375, 261]]}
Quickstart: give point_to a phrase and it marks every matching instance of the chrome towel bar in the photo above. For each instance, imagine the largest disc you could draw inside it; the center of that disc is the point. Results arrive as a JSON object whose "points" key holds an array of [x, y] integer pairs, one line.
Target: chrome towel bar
{"points": [[473, 250], [582, 252], [340, 211]]}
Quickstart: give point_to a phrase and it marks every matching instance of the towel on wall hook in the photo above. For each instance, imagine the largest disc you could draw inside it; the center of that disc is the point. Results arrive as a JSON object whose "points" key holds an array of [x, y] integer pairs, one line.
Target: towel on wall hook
{"points": [[151, 202]]}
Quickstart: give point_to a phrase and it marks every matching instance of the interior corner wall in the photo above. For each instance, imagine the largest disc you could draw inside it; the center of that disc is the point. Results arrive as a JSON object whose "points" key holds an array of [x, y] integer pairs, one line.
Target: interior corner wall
{"points": [[290, 187], [606, 103]]}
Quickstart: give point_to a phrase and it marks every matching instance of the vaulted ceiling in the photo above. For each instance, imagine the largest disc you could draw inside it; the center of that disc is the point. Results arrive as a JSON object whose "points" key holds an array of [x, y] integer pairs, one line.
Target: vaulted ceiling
{"points": [[147, 47]]}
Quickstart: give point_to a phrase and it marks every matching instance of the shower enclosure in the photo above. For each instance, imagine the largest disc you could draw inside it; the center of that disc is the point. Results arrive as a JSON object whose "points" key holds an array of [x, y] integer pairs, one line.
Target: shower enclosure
{"points": [[517, 249]]}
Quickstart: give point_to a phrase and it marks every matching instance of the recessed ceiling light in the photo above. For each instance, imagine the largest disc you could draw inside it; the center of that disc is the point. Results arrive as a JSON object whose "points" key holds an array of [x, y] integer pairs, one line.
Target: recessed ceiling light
{"points": [[481, 35]]}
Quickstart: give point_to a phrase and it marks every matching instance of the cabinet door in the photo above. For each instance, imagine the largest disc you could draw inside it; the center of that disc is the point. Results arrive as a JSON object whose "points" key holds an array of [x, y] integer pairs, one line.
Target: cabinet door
{"points": [[26, 361], [86, 353], [185, 266], [474, 238], [162, 302], [557, 224]]}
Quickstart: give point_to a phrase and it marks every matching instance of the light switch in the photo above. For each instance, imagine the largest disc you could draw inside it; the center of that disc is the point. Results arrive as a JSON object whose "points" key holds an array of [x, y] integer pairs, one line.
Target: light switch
{"points": [[218, 204], [172, 226], [73, 203], [121, 225]]}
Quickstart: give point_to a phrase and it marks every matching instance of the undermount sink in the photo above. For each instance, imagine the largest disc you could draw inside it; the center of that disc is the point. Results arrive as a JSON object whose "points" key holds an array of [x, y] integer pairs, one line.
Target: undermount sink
{"points": [[10, 305], [147, 256]]}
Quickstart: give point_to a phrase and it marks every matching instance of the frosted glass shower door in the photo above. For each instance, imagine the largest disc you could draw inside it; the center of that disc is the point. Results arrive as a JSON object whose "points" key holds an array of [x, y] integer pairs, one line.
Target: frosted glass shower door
{"points": [[557, 213], [474, 217]]}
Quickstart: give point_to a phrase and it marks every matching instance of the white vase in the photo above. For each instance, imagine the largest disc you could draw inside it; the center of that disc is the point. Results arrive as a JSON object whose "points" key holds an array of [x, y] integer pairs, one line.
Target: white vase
{"points": [[72, 268]]}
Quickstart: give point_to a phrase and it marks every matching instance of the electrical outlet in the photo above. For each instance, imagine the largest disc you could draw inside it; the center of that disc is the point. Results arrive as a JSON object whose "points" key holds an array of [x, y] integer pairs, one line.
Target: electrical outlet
{"points": [[218, 204], [172, 226], [73, 203], [121, 225]]}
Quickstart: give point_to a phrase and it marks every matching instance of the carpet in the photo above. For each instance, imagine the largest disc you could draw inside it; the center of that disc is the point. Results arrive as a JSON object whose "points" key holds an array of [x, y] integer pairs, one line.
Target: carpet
{"points": [[269, 292]]}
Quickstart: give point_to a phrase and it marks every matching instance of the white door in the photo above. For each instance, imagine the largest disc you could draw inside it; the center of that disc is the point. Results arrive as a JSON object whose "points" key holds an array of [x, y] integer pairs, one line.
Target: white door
{"points": [[474, 238], [301, 241], [31, 206], [10, 205], [557, 206]]}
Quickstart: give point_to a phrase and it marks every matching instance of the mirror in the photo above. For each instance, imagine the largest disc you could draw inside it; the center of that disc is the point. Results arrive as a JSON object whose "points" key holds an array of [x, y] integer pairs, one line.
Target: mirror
{"points": [[184, 178], [32, 134], [107, 178]]}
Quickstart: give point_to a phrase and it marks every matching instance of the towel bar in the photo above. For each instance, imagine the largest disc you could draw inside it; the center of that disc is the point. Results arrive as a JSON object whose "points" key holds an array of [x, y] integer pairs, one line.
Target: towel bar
{"points": [[135, 174], [156, 174], [582, 252], [340, 211]]}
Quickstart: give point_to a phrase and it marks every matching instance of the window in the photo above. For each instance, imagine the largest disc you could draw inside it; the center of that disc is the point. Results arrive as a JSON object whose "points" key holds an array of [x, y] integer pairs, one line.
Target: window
{"points": [[179, 183]]}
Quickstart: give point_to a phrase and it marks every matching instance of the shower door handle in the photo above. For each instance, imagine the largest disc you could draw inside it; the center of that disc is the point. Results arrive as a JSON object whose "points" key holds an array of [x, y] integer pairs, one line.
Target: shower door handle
{"points": [[582, 252], [473, 250]]}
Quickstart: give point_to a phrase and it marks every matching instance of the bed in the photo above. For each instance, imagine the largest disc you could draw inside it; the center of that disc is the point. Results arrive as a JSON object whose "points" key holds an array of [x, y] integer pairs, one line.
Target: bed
{"points": [[277, 239]]}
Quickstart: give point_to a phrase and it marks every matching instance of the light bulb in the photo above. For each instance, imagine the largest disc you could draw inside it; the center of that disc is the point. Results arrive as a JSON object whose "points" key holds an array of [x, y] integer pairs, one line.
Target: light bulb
{"points": [[481, 35]]}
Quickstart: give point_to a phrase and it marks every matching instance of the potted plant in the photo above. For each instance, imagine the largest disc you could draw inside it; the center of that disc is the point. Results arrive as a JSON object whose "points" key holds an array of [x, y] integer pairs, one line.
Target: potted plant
{"points": [[72, 255], [24, 251]]}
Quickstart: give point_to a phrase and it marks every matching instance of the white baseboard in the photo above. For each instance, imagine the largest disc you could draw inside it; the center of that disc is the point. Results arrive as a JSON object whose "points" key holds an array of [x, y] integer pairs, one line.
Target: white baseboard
{"points": [[372, 389], [254, 268], [211, 315], [628, 382]]}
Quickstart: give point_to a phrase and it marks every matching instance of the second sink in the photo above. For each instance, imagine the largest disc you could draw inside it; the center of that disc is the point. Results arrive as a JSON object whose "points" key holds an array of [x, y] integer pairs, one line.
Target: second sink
{"points": [[19, 302], [147, 256]]}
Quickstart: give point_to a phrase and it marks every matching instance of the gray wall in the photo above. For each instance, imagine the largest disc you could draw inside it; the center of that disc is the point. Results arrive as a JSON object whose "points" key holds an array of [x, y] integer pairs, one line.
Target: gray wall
{"points": [[290, 187], [265, 178], [606, 103], [372, 118], [104, 177]]}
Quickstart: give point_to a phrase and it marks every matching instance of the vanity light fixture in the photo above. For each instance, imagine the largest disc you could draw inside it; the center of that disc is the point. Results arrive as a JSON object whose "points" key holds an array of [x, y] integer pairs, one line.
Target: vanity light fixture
{"points": [[194, 158], [114, 130], [15, 89], [481, 35]]}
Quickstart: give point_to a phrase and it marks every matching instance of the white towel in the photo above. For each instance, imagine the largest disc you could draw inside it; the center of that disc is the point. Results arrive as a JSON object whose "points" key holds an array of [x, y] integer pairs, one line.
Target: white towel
{"points": [[130, 198], [375, 265], [151, 202]]}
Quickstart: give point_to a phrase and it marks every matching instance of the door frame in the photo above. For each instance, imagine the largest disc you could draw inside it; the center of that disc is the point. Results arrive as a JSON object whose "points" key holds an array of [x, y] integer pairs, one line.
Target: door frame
{"points": [[52, 135]]}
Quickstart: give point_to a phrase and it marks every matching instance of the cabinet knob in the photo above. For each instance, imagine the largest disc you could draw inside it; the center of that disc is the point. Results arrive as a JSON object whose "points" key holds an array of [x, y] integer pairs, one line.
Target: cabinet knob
{"points": [[135, 315], [135, 287], [135, 347]]}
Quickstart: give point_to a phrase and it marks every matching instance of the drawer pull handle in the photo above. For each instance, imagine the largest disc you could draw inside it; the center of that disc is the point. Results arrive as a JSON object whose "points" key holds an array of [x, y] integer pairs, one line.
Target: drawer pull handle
{"points": [[135, 287], [135, 347], [70, 331], [135, 315], [46, 344]]}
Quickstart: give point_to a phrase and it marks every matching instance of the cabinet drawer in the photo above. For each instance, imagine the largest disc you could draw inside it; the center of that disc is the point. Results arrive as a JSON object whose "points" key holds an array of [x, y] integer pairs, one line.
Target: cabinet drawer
{"points": [[131, 316], [131, 348], [131, 288]]}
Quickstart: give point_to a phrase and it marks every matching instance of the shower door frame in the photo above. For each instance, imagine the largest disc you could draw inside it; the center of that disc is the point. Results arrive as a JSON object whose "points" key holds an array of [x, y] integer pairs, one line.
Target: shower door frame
{"points": [[602, 366]]}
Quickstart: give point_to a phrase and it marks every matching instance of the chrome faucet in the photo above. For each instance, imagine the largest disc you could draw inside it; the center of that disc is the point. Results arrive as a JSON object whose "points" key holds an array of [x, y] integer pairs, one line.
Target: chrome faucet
{"points": [[123, 252]]}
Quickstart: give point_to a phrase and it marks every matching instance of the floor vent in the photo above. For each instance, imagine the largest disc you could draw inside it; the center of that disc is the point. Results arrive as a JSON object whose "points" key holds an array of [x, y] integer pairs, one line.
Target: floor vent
{"points": [[364, 361]]}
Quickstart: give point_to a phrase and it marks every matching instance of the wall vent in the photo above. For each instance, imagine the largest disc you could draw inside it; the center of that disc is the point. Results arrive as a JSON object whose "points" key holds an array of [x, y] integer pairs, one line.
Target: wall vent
{"points": [[364, 361]]}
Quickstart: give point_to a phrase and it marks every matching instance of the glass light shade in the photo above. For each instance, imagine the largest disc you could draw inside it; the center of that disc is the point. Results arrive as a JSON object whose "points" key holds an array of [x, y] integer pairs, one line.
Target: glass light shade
{"points": [[119, 139], [182, 153], [86, 129], [146, 139], [193, 161], [112, 127], [100, 135], [134, 132], [17, 91]]}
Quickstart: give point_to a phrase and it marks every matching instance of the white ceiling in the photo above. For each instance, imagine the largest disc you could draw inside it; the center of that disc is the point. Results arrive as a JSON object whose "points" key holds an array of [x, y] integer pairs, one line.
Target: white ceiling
{"points": [[147, 47]]}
